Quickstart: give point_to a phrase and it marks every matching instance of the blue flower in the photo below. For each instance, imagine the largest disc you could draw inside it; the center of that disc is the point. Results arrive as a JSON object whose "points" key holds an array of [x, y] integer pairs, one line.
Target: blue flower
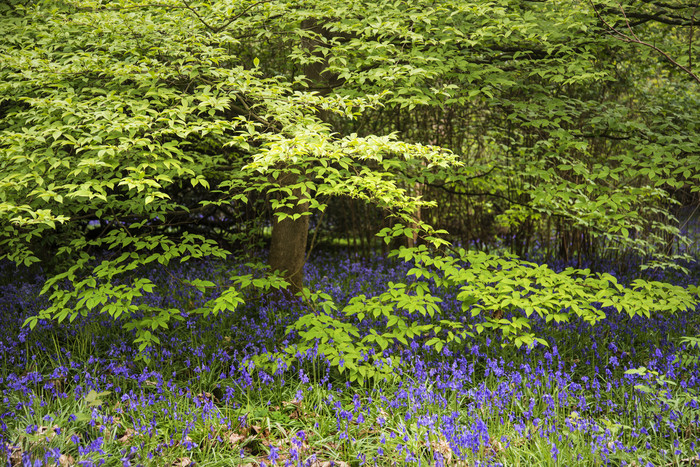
{"points": [[274, 454]]}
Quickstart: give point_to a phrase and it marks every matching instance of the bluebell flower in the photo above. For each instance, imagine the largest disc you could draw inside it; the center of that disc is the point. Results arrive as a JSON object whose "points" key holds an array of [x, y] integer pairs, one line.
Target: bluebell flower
{"points": [[274, 454]]}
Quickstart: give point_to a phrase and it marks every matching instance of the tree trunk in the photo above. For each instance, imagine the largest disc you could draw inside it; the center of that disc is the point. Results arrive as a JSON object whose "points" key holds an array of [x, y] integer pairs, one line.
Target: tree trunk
{"points": [[288, 245]]}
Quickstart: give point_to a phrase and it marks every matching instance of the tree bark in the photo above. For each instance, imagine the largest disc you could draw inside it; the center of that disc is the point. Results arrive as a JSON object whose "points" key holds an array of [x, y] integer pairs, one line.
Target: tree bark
{"points": [[288, 245]]}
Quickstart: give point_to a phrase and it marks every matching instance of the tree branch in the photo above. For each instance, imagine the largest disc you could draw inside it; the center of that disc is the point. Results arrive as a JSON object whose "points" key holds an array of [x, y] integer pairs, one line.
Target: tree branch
{"points": [[632, 38]]}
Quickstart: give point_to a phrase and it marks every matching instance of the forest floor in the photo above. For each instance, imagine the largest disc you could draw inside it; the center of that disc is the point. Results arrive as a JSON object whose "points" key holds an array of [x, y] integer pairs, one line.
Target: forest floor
{"points": [[622, 392]]}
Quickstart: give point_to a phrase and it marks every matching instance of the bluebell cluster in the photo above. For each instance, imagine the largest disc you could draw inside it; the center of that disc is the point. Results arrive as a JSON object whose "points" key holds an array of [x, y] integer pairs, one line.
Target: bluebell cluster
{"points": [[75, 392]]}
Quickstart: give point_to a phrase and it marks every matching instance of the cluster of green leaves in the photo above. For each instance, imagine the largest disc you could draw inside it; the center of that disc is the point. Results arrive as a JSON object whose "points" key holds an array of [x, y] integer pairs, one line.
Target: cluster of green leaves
{"points": [[505, 291], [336, 335], [496, 286]]}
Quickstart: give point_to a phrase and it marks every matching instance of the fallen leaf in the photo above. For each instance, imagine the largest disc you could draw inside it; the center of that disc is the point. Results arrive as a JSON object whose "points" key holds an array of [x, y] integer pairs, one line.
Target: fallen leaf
{"points": [[49, 432], [318, 463], [126, 437], [443, 447], [182, 462], [235, 438]]}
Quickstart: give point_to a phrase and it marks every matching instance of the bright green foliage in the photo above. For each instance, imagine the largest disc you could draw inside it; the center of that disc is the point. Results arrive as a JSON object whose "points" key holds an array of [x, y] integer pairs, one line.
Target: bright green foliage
{"points": [[500, 285], [506, 291], [362, 356], [120, 121], [104, 120]]}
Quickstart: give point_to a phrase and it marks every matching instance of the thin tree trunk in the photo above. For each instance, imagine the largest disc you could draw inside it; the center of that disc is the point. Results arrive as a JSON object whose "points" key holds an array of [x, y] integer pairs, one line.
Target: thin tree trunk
{"points": [[413, 241]]}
